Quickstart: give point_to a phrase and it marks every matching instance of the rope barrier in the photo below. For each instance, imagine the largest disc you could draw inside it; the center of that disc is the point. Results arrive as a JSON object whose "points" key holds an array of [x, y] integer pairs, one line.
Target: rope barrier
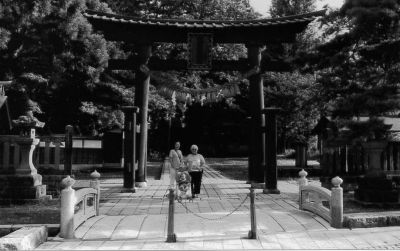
{"points": [[171, 237], [218, 218]]}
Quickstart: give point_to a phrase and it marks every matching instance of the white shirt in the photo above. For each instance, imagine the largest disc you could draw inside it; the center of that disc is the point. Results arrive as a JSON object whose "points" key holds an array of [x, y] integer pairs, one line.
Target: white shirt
{"points": [[195, 162], [175, 157]]}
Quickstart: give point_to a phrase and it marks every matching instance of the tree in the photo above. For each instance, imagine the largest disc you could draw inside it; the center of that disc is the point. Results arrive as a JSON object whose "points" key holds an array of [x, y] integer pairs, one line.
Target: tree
{"points": [[292, 91], [280, 8], [57, 62], [359, 70]]}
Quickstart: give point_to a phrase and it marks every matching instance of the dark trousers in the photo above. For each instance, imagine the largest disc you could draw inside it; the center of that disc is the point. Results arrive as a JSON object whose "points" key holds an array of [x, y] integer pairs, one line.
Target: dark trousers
{"points": [[196, 181]]}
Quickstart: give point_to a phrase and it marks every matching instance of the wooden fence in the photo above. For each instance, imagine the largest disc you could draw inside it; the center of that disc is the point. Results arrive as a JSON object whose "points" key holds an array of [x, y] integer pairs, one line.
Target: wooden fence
{"points": [[349, 160], [86, 152], [9, 153]]}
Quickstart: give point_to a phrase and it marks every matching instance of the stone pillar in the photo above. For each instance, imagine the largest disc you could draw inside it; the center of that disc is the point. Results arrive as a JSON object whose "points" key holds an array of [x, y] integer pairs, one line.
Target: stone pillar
{"points": [[253, 219], [256, 97], [129, 147], [171, 236], [142, 79], [302, 182], [374, 150], [271, 171], [68, 150], [336, 203], [301, 155], [67, 230], [26, 146], [375, 187], [22, 182], [95, 184]]}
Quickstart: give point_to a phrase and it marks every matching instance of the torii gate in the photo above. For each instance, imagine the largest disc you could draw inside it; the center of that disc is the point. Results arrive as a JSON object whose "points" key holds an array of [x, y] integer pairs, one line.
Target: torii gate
{"points": [[201, 35]]}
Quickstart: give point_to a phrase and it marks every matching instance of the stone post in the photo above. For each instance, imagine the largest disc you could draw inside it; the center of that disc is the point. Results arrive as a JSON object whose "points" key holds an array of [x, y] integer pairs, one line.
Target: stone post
{"points": [[336, 203], [67, 209], [68, 150], [302, 182], [171, 236], [301, 155], [253, 221], [95, 184]]}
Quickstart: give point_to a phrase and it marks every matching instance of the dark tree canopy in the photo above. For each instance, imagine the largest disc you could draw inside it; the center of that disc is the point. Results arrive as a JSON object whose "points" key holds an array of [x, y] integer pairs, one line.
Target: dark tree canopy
{"points": [[280, 8], [292, 91], [359, 69]]}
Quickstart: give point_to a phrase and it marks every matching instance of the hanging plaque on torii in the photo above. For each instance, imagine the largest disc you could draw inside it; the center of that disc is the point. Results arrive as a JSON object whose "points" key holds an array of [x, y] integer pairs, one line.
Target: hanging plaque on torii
{"points": [[200, 51]]}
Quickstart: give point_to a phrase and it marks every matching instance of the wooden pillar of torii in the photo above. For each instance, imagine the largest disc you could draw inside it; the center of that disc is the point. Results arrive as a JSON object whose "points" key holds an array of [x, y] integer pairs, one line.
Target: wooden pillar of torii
{"points": [[142, 83], [256, 99]]}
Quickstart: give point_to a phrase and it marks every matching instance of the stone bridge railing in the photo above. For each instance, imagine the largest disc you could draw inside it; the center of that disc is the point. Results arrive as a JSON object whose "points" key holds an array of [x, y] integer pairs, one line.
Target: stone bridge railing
{"points": [[78, 205], [321, 201]]}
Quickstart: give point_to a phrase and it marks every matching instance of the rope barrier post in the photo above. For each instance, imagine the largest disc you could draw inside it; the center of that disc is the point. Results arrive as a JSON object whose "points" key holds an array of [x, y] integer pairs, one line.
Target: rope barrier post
{"points": [[171, 237], [337, 203], [253, 231], [302, 182], [95, 183], [67, 209]]}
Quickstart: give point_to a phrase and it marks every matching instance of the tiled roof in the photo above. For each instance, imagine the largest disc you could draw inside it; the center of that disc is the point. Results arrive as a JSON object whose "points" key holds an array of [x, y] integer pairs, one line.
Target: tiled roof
{"points": [[213, 24]]}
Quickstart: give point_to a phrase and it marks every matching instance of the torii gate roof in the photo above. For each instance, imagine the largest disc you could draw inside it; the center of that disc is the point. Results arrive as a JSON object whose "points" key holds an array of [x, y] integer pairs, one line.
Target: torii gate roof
{"points": [[132, 29]]}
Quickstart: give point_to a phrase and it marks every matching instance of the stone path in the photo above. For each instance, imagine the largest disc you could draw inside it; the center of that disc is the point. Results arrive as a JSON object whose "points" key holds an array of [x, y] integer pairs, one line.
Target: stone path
{"points": [[139, 221]]}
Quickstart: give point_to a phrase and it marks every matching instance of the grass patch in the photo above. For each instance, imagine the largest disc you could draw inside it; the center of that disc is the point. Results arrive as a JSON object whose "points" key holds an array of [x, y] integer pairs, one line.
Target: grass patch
{"points": [[42, 213], [48, 212], [236, 169]]}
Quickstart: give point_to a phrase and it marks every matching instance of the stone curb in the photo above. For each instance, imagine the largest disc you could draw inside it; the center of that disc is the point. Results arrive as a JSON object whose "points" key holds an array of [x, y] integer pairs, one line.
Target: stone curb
{"points": [[367, 220], [52, 229], [26, 238]]}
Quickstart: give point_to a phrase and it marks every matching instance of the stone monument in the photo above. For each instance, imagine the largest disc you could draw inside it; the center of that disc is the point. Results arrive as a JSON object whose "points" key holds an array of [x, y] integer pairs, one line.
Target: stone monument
{"points": [[19, 180], [375, 187]]}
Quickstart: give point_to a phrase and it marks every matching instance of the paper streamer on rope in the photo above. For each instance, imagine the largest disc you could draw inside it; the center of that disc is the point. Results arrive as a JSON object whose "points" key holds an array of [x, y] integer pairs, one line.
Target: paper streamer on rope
{"points": [[203, 98], [180, 94], [173, 98]]}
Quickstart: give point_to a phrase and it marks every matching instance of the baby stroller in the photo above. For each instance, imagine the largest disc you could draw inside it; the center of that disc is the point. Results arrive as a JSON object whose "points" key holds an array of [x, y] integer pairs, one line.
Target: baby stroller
{"points": [[183, 180]]}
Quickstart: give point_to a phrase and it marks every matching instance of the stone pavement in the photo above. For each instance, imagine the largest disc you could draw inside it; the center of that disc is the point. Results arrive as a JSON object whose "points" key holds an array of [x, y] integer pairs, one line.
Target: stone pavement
{"points": [[139, 221]]}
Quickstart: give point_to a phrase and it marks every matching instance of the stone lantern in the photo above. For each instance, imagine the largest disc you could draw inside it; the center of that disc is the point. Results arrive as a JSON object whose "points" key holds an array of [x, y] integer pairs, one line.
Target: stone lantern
{"points": [[21, 181]]}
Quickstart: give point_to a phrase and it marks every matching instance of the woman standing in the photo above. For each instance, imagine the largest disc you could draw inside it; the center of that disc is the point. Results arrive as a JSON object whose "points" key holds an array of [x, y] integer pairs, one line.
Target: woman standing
{"points": [[176, 159], [195, 162]]}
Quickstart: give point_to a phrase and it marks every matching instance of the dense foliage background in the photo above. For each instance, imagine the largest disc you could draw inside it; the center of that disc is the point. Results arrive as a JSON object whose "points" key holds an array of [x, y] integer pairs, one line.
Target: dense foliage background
{"points": [[345, 65]]}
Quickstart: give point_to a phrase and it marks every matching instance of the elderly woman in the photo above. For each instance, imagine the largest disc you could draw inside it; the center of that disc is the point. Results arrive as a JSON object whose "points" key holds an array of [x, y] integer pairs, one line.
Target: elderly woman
{"points": [[196, 163]]}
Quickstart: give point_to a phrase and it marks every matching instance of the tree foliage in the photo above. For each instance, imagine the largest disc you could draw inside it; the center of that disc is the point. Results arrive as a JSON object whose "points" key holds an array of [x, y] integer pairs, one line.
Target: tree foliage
{"points": [[292, 91], [359, 69], [280, 8], [55, 58]]}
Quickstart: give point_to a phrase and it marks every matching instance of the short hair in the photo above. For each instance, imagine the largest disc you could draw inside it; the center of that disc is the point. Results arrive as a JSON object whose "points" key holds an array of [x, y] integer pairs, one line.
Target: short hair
{"points": [[194, 147]]}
